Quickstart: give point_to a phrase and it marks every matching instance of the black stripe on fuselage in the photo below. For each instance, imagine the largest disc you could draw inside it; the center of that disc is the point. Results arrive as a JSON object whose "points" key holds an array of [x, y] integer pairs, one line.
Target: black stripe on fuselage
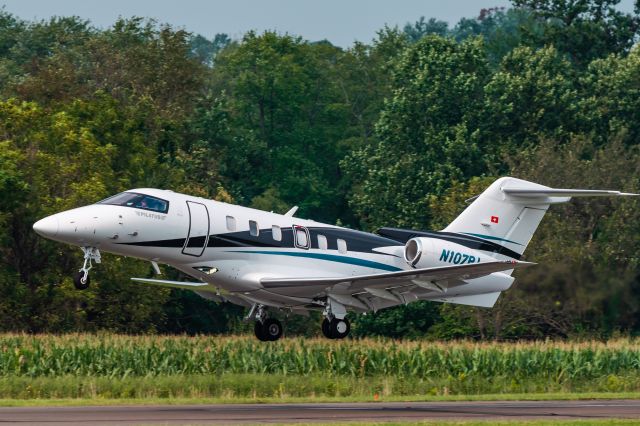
{"points": [[177, 242], [357, 241], [469, 241]]}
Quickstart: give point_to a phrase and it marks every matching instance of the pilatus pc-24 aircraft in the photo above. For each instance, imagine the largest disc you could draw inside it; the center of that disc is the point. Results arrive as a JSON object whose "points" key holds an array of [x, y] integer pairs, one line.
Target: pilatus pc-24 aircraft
{"points": [[264, 260]]}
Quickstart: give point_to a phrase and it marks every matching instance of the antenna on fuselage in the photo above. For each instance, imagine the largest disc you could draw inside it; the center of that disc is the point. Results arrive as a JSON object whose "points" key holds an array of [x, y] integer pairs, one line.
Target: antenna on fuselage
{"points": [[156, 268], [291, 212]]}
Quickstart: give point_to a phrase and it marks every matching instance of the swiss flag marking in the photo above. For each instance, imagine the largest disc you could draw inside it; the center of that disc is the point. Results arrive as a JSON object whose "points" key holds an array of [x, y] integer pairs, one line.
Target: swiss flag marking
{"points": [[494, 219]]}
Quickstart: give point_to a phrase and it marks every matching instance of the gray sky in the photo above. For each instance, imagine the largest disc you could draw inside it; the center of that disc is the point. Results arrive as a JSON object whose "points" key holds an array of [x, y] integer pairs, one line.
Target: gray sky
{"points": [[339, 21]]}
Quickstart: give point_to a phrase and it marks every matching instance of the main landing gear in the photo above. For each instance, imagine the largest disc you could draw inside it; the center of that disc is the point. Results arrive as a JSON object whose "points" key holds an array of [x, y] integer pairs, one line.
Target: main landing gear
{"points": [[335, 328], [81, 278], [268, 331], [265, 329], [335, 325]]}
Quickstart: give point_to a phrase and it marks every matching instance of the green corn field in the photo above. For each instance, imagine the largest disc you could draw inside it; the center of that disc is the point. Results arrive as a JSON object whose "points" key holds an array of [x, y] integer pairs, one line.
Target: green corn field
{"points": [[122, 356], [321, 365]]}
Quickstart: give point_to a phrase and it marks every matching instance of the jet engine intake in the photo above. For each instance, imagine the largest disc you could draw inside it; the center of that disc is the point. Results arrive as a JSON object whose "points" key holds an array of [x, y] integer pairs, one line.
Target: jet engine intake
{"points": [[424, 252]]}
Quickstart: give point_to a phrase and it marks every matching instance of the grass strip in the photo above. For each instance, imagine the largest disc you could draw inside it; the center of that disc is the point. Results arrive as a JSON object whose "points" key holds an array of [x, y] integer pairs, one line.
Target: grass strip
{"points": [[589, 422], [63, 402], [276, 388]]}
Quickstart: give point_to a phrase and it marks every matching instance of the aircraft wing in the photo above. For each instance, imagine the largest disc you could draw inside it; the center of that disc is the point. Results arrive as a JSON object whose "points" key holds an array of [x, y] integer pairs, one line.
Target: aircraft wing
{"points": [[203, 289], [349, 285], [173, 284]]}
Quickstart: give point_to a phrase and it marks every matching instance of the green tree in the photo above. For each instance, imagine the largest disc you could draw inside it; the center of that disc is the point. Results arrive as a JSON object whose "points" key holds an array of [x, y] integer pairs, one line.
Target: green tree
{"points": [[502, 30], [583, 29], [427, 134], [206, 50], [421, 28], [589, 247], [611, 101], [411, 321], [405, 128], [532, 95], [52, 163], [286, 115]]}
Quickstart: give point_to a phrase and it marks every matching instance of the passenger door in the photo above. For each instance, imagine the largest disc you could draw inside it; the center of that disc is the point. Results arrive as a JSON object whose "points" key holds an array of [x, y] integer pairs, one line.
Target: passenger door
{"points": [[198, 234]]}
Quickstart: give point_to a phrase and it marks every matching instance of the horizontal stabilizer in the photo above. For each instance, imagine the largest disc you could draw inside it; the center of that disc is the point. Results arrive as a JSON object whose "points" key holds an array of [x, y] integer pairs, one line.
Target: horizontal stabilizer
{"points": [[486, 300], [552, 192], [172, 284]]}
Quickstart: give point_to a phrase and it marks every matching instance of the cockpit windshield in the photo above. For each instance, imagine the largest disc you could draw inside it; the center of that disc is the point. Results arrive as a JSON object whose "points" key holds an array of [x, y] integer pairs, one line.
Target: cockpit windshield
{"points": [[138, 201]]}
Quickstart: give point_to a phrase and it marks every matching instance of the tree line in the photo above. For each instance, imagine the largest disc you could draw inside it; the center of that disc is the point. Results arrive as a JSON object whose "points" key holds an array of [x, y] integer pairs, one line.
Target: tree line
{"points": [[395, 132]]}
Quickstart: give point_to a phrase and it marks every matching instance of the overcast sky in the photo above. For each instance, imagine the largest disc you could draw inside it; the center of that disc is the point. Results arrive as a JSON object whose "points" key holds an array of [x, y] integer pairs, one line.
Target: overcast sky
{"points": [[339, 21]]}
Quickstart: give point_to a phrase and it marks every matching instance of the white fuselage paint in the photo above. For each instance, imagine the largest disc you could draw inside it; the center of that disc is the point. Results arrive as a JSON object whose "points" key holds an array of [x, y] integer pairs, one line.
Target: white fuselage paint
{"points": [[239, 266]]}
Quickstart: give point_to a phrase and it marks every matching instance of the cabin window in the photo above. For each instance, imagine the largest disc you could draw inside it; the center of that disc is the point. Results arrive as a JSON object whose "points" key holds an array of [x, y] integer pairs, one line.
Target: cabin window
{"points": [[342, 246], [138, 201], [276, 232], [301, 236], [231, 223], [322, 242], [253, 228]]}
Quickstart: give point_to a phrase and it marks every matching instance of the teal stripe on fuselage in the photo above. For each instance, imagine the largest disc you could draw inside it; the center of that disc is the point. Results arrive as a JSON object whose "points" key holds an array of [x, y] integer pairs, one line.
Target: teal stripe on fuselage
{"points": [[489, 237], [327, 257]]}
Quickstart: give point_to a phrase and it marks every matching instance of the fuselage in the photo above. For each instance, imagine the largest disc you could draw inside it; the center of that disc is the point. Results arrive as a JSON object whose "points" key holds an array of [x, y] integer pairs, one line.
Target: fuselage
{"points": [[228, 246], [231, 248]]}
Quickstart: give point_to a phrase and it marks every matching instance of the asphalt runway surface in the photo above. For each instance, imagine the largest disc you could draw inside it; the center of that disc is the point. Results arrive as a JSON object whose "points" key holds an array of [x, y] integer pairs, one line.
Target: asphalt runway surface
{"points": [[307, 413]]}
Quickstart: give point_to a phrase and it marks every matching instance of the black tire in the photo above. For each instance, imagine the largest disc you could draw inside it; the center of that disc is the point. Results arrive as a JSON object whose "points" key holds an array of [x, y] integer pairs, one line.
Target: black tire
{"points": [[326, 329], [272, 329], [340, 328], [81, 280], [258, 329]]}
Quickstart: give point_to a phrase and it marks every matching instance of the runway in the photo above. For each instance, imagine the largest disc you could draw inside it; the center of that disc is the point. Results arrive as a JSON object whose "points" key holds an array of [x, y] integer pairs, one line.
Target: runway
{"points": [[295, 413]]}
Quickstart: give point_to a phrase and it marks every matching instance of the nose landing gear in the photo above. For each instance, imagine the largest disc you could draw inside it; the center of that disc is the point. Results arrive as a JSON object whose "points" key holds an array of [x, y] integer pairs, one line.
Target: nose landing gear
{"points": [[81, 278]]}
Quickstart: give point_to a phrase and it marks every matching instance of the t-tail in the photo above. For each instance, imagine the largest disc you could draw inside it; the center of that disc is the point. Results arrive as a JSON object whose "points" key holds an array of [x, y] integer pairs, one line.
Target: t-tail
{"points": [[509, 211]]}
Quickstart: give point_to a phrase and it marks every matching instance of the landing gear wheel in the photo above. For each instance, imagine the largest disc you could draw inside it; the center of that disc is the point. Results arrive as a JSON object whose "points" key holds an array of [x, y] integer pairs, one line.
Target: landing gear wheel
{"points": [[81, 280], [259, 331], [340, 328], [272, 329], [269, 330], [326, 329]]}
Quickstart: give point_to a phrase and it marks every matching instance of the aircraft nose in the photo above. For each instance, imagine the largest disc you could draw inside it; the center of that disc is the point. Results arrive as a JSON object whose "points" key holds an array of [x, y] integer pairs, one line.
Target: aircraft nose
{"points": [[47, 227]]}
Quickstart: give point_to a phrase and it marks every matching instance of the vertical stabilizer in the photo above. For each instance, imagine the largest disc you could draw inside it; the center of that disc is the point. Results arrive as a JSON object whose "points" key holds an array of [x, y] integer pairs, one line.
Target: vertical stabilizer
{"points": [[503, 219], [509, 211]]}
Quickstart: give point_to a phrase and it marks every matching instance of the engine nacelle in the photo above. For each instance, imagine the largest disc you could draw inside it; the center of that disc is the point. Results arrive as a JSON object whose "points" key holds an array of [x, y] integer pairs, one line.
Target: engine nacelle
{"points": [[423, 252]]}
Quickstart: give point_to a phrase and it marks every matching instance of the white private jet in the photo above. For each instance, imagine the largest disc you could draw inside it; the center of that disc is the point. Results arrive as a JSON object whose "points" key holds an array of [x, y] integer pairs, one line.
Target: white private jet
{"points": [[264, 260]]}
